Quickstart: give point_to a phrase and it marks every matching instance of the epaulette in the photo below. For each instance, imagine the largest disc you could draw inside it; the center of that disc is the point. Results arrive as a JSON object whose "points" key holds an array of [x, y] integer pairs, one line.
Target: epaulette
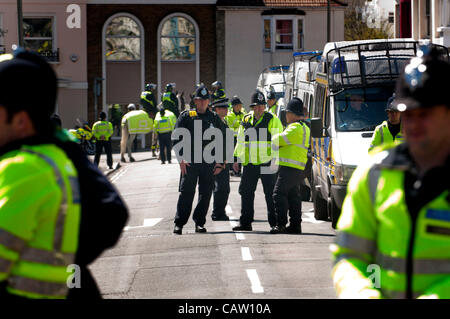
{"points": [[193, 113]]}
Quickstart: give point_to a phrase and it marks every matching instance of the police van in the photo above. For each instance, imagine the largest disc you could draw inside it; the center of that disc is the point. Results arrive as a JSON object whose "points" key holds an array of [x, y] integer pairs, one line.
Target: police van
{"points": [[353, 82]]}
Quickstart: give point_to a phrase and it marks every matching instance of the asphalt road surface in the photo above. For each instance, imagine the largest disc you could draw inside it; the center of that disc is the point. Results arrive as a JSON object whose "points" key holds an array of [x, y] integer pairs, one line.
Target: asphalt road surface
{"points": [[150, 261]]}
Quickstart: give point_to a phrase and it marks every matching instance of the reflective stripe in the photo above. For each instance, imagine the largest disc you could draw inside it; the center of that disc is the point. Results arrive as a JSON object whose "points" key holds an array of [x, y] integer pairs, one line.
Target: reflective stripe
{"points": [[47, 257], [291, 161], [420, 266], [374, 176], [61, 217], [381, 133], [356, 243], [341, 257], [5, 265], [38, 287], [395, 294], [10, 241]]}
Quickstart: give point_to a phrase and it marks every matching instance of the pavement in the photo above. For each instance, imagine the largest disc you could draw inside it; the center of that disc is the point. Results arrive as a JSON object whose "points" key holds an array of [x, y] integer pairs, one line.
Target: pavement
{"points": [[150, 261]]}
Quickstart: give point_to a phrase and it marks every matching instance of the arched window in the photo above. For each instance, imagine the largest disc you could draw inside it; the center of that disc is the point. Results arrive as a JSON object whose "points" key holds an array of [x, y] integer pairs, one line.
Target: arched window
{"points": [[123, 40], [178, 40]]}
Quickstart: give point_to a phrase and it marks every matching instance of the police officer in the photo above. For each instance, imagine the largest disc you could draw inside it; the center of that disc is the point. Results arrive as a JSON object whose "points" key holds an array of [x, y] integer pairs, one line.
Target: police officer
{"points": [[272, 103], [293, 146], [164, 125], [219, 91], [170, 100], [389, 131], [221, 180], [193, 164], [254, 151], [102, 131], [148, 100], [397, 210], [40, 209], [234, 119]]}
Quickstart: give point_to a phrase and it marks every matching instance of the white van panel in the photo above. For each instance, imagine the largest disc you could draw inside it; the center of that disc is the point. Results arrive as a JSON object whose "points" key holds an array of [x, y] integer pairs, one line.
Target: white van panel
{"points": [[351, 148]]}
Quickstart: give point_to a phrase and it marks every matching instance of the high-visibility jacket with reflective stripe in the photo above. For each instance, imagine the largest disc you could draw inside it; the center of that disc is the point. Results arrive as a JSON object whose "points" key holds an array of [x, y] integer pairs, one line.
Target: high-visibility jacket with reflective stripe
{"points": [[254, 140], [219, 94], [374, 230], [138, 122], [292, 145], [382, 135], [39, 220], [273, 109], [166, 123], [168, 97], [234, 120], [147, 98], [102, 128]]}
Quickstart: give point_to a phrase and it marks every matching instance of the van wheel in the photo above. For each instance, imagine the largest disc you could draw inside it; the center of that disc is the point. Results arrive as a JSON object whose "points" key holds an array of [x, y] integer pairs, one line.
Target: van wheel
{"points": [[320, 206], [333, 210]]}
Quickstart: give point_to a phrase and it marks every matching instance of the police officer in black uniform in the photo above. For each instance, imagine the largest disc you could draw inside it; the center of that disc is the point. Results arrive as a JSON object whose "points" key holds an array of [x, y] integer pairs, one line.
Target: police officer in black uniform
{"points": [[194, 166], [222, 180]]}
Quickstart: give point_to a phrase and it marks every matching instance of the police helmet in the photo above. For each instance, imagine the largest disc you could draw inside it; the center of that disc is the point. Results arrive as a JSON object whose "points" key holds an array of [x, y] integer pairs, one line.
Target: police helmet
{"points": [[424, 82], [258, 99], [131, 107], [150, 86], [102, 116], [390, 104], [27, 71], [271, 95], [217, 85], [169, 87], [235, 100], [201, 93], [295, 106]]}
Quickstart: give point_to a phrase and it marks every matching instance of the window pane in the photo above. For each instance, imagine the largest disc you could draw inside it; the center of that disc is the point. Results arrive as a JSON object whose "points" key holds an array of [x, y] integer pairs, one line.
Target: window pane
{"points": [[284, 26], [267, 33], [300, 34], [178, 49], [283, 37], [178, 26], [38, 45], [38, 27], [123, 26], [123, 49]]}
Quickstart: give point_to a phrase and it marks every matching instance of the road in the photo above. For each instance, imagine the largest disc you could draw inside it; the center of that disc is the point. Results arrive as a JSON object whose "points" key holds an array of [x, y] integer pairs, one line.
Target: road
{"points": [[150, 261]]}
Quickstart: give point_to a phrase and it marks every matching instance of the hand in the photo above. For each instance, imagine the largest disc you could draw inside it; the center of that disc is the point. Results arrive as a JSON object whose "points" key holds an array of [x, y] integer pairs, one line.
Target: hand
{"points": [[236, 167], [183, 167], [218, 168]]}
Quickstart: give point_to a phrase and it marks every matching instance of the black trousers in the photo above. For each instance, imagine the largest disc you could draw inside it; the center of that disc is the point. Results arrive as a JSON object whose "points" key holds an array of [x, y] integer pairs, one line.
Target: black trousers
{"points": [[203, 174], [221, 192], [249, 181], [165, 145], [99, 149], [286, 196]]}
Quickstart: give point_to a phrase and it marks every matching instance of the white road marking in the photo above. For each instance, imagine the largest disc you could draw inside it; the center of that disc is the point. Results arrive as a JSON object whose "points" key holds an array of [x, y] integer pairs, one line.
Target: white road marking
{"points": [[246, 256], [254, 280], [310, 218], [148, 222], [240, 236], [118, 175]]}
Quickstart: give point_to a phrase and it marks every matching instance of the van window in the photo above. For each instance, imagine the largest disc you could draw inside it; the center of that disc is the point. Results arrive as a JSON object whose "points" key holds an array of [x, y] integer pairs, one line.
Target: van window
{"points": [[361, 109], [318, 106]]}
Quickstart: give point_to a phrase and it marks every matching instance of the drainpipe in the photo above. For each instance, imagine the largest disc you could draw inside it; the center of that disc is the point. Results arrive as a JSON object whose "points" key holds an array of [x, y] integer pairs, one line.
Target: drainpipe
{"points": [[20, 22]]}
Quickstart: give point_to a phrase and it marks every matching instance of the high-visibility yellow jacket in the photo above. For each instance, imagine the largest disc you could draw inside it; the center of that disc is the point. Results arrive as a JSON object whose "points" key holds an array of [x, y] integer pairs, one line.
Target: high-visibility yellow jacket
{"points": [[39, 220], [384, 251], [273, 109], [292, 145], [138, 122], [102, 130], [234, 120], [382, 135], [166, 123], [254, 140]]}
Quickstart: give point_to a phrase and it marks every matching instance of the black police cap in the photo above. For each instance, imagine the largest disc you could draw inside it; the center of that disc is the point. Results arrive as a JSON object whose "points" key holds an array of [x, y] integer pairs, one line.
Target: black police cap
{"points": [[235, 100], [201, 93], [424, 82], [295, 106], [271, 95], [220, 103], [258, 99], [390, 103], [28, 82]]}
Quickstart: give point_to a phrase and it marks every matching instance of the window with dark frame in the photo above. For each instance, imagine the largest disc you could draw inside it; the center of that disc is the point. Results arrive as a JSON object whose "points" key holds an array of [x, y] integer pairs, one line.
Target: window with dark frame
{"points": [[38, 34]]}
